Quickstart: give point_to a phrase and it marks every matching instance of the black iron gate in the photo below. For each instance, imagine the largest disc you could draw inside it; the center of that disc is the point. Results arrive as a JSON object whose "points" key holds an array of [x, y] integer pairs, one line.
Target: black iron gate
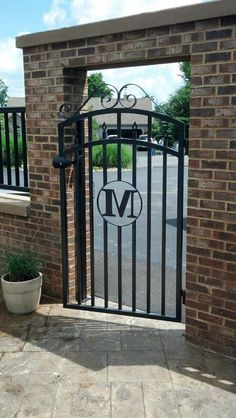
{"points": [[117, 227]]}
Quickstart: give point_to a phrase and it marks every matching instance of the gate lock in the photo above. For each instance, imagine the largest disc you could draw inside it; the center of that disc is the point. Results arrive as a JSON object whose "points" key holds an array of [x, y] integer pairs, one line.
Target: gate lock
{"points": [[61, 162]]}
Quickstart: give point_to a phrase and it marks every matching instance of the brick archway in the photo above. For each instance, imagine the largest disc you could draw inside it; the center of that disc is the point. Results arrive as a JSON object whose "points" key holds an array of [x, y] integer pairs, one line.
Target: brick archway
{"points": [[55, 65]]}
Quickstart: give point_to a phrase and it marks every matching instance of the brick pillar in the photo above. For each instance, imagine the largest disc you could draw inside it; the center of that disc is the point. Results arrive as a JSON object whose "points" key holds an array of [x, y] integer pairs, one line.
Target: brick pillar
{"points": [[47, 86], [211, 251], [76, 90]]}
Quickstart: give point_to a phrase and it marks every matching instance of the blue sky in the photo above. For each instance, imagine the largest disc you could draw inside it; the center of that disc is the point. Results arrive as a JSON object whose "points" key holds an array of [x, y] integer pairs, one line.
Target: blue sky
{"points": [[27, 16]]}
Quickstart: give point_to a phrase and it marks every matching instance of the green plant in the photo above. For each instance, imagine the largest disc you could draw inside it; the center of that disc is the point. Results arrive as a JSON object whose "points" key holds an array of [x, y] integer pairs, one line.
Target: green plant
{"points": [[21, 266], [12, 150], [3, 93], [177, 105], [111, 160]]}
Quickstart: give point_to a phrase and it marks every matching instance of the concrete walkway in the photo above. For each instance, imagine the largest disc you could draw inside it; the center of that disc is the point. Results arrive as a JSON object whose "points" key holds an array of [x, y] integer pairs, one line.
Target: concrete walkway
{"points": [[64, 363]]}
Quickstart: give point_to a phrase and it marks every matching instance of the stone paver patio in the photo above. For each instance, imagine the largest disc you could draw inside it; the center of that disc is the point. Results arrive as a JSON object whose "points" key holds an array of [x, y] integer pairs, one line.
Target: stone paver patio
{"points": [[63, 363]]}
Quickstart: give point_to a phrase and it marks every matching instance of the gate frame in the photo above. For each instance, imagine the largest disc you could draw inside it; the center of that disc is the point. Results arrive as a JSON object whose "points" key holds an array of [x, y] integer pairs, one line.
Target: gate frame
{"points": [[62, 162]]}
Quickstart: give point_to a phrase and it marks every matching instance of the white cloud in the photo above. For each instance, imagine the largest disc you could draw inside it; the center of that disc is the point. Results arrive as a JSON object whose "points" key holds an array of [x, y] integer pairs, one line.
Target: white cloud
{"points": [[85, 11], [56, 14], [74, 12], [22, 33], [11, 67], [10, 56]]}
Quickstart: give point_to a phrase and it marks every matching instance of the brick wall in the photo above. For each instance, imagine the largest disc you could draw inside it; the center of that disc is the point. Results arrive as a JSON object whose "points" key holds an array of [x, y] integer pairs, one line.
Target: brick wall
{"points": [[51, 73], [211, 261]]}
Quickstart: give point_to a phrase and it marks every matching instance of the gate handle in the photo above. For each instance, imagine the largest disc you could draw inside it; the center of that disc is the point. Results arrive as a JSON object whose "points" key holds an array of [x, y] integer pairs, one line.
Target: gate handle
{"points": [[61, 162]]}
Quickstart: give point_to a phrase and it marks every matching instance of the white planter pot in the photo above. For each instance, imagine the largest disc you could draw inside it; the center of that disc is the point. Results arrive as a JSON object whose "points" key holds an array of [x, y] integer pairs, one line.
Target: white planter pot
{"points": [[22, 297]]}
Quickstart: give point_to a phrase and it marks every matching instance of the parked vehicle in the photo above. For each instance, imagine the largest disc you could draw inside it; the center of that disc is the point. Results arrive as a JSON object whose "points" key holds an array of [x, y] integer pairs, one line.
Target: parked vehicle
{"points": [[145, 139], [112, 136]]}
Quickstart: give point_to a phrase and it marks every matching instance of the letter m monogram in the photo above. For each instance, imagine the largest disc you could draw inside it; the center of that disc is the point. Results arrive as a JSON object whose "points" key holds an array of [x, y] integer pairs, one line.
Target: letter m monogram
{"points": [[112, 198]]}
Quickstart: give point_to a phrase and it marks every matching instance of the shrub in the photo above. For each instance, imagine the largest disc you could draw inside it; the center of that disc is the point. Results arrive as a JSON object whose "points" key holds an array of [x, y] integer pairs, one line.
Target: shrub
{"points": [[126, 155], [12, 150]]}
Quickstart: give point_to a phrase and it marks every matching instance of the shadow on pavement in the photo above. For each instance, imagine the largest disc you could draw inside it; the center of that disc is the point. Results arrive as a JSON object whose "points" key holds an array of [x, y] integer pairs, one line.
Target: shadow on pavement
{"points": [[101, 346]]}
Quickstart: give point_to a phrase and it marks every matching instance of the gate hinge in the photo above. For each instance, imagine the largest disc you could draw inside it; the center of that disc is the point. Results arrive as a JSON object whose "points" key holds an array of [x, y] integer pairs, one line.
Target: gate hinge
{"points": [[183, 295]]}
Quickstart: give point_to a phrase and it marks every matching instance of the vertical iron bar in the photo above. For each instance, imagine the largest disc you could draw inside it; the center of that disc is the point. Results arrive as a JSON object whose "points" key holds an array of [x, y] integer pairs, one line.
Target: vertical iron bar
{"points": [[105, 226], [91, 210], [64, 236], [78, 220], [64, 227], [179, 243], [119, 157], [16, 151], [119, 228], [119, 232], [24, 149], [134, 232], [80, 214], [1, 158], [149, 214], [8, 149], [163, 240], [82, 198]]}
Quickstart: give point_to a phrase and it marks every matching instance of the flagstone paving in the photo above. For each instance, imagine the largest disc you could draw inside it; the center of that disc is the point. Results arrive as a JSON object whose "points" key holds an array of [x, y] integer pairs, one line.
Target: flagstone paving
{"points": [[64, 363]]}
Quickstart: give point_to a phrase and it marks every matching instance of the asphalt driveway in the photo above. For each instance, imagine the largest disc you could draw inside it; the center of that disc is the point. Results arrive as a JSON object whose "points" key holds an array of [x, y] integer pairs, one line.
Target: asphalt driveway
{"points": [[141, 252]]}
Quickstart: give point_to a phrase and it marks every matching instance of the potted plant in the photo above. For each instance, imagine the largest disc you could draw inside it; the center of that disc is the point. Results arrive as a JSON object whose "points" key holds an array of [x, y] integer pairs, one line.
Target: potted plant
{"points": [[22, 282]]}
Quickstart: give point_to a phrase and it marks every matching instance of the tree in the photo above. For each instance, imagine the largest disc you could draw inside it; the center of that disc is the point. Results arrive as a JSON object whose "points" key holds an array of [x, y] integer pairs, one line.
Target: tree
{"points": [[97, 86], [177, 105], [185, 67], [3, 93]]}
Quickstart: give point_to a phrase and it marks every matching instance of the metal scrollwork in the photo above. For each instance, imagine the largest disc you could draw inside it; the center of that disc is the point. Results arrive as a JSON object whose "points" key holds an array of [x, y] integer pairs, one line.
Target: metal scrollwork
{"points": [[113, 99], [128, 100], [108, 101]]}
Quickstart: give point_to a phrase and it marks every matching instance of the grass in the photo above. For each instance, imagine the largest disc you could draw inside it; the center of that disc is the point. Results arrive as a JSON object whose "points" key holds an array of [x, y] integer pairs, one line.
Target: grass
{"points": [[111, 160]]}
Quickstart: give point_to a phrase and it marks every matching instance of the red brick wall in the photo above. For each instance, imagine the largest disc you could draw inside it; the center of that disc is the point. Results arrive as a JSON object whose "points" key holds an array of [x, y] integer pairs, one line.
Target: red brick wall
{"points": [[51, 73]]}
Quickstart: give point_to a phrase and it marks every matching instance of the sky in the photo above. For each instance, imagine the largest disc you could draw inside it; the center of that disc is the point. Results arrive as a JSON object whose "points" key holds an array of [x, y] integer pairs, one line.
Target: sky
{"points": [[28, 16]]}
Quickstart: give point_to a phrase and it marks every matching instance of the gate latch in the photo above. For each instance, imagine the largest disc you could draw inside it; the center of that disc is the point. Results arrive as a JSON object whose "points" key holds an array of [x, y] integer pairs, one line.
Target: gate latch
{"points": [[61, 162], [183, 294]]}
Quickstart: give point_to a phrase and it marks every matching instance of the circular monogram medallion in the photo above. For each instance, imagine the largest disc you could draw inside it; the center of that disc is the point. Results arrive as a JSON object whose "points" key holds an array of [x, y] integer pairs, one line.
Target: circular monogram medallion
{"points": [[119, 203]]}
